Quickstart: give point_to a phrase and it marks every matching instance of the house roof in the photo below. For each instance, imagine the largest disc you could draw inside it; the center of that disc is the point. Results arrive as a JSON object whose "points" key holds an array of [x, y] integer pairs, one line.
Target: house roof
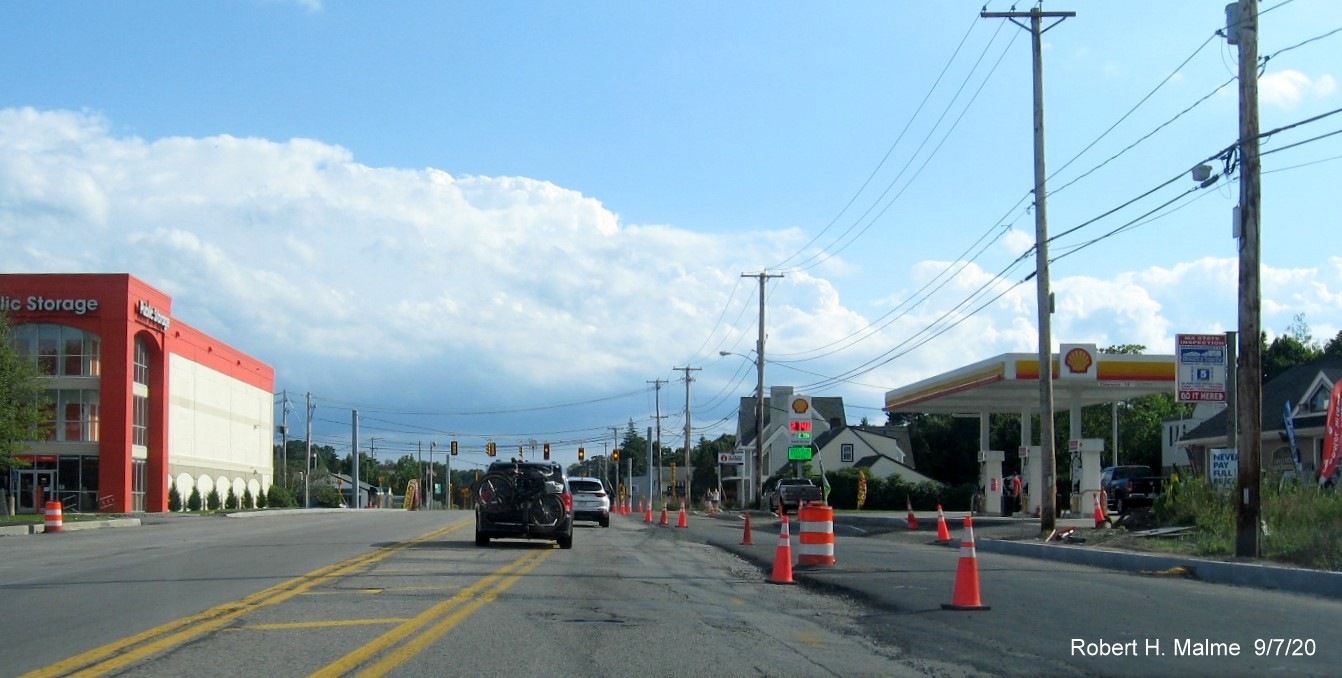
{"points": [[1291, 385]]}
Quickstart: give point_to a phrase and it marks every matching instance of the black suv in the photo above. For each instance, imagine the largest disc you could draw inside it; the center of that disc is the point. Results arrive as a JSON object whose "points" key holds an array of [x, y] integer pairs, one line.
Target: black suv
{"points": [[524, 500]]}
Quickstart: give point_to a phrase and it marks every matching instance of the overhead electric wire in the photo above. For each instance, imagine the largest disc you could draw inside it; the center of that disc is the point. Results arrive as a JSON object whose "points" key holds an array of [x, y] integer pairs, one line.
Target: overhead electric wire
{"points": [[452, 413], [825, 253], [891, 150]]}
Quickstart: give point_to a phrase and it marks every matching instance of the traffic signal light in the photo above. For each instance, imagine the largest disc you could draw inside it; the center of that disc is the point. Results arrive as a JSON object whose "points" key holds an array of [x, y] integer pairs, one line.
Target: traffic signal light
{"points": [[582, 454], [454, 448], [547, 451], [615, 456], [489, 449]]}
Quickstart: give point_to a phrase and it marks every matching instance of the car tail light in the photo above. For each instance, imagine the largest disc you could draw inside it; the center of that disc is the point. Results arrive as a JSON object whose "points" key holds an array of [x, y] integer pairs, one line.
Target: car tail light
{"points": [[1129, 486], [568, 501], [600, 494]]}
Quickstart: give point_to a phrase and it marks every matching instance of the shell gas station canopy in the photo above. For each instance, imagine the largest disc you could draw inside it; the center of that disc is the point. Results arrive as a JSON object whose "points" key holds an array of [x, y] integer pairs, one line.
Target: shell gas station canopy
{"points": [[1010, 383]]}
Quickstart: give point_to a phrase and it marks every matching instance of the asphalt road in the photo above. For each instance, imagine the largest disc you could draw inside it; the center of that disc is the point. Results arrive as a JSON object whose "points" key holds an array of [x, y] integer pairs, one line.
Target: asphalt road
{"points": [[408, 593]]}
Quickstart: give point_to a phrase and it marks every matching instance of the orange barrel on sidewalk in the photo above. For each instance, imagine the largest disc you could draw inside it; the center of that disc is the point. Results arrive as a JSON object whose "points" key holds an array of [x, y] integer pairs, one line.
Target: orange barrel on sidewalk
{"points": [[54, 521], [816, 534]]}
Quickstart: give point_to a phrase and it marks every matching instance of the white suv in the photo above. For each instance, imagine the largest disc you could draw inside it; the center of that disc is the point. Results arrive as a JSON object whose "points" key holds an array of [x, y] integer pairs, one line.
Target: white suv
{"points": [[591, 501]]}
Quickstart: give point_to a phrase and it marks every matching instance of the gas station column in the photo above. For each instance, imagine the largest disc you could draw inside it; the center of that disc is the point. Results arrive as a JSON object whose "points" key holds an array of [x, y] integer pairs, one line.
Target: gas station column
{"points": [[990, 479], [1090, 450]]}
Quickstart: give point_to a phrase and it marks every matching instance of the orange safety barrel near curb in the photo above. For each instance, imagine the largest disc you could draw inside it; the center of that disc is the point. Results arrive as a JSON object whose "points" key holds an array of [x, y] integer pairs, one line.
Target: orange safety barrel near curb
{"points": [[54, 520], [816, 534]]}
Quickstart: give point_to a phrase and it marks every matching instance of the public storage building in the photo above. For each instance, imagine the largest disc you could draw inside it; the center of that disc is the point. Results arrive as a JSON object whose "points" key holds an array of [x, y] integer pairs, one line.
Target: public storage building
{"points": [[139, 400]]}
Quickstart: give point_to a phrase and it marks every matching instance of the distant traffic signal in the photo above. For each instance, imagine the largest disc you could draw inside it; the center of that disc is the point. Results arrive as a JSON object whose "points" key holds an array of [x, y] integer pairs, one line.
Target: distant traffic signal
{"points": [[547, 451], [454, 448], [582, 454], [490, 449], [615, 456]]}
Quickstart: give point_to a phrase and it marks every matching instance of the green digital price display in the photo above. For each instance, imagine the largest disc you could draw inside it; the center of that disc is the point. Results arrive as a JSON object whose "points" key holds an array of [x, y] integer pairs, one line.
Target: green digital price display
{"points": [[800, 453]]}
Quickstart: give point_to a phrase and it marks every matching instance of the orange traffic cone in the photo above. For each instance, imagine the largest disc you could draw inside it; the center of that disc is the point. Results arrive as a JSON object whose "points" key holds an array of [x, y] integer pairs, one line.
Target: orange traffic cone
{"points": [[943, 533], [647, 514], [663, 522], [783, 558], [966, 595], [913, 520], [745, 538], [684, 520], [1100, 517]]}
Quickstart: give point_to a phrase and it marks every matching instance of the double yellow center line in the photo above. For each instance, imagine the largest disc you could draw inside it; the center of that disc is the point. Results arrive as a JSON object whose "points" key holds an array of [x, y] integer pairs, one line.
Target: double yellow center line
{"points": [[116, 656]]}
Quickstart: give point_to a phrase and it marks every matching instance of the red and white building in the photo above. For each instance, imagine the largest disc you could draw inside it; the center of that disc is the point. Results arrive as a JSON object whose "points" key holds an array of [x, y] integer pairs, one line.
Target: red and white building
{"points": [[140, 401]]}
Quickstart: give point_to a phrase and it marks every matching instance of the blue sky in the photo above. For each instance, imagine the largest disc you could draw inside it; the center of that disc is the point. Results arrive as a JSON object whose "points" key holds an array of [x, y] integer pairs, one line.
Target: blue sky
{"points": [[467, 207]]}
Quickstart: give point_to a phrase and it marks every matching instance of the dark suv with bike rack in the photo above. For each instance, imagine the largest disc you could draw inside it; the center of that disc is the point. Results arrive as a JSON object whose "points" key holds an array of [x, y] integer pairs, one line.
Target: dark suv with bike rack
{"points": [[524, 500]]}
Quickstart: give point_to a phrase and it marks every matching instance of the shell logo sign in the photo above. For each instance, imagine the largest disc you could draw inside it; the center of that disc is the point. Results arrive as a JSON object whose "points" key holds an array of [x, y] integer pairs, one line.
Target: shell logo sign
{"points": [[1078, 361], [800, 406]]}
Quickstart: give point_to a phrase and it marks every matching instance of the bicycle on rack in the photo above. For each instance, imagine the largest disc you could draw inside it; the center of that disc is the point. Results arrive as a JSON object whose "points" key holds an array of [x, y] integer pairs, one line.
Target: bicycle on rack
{"points": [[526, 500]]}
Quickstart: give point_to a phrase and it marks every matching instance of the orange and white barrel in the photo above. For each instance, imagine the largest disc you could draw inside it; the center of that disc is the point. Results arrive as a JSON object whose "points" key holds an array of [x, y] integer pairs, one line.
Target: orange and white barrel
{"points": [[816, 534], [54, 520]]}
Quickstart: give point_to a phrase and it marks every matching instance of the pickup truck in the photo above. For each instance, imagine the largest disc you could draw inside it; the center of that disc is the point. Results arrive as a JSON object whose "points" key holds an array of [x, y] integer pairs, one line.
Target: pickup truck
{"points": [[791, 493], [1130, 486]]}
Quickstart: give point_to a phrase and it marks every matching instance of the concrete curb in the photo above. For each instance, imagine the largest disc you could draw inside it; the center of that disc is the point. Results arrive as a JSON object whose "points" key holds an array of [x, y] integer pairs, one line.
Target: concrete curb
{"points": [[68, 526], [1254, 575]]}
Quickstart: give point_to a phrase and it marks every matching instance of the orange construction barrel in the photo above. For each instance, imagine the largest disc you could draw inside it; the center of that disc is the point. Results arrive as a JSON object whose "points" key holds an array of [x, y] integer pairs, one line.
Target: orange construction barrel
{"points": [[54, 521], [816, 535]]}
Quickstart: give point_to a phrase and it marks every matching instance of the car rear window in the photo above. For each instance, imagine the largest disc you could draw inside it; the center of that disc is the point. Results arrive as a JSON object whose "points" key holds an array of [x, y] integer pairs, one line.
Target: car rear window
{"points": [[584, 486]]}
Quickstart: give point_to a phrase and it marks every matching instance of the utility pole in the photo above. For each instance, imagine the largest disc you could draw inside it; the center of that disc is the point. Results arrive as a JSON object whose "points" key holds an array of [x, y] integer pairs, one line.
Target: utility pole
{"points": [[307, 476], [757, 479], [689, 468], [354, 441], [1242, 27], [1047, 449], [657, 418], [284, 443]]}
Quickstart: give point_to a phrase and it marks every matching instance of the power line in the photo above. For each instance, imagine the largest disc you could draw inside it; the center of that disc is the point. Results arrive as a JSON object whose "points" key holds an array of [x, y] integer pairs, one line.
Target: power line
{"points": [[891, 150]]}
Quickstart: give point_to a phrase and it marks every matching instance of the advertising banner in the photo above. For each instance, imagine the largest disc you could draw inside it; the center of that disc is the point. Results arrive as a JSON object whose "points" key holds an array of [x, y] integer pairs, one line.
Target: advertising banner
{"points": [[1332, 435], [1224, 468], [1202, 369]]}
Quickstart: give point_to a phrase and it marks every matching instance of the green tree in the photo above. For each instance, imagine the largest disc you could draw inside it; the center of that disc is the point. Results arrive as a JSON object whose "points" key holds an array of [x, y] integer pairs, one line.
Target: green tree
{"points": [[1333, 349], [231, 501], [193, 502], [174, 499], [247, 498], [261, 500], [1292, 348], [278, 497], [212, 501], [23, 402]]}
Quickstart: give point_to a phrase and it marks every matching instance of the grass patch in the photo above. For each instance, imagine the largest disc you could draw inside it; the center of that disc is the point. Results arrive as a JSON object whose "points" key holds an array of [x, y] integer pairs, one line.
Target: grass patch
{"points": [[1302, 525]]}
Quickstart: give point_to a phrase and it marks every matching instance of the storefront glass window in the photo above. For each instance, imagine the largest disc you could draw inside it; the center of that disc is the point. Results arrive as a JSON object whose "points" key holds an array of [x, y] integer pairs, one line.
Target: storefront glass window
{"points": [[141, 361], [73, 415], [140, 425], [59, 351]]}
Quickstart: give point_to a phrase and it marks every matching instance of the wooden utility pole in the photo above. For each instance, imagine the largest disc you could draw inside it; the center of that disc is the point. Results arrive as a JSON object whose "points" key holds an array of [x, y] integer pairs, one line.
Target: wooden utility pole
{"points": [[689, 443], [1047, 448], [655, 454], [1249, 381], [757, 479]]}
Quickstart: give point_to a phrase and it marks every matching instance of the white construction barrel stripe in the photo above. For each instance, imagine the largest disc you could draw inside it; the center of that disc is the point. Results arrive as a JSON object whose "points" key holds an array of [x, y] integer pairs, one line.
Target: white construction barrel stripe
{"points": [[817, 535]]}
